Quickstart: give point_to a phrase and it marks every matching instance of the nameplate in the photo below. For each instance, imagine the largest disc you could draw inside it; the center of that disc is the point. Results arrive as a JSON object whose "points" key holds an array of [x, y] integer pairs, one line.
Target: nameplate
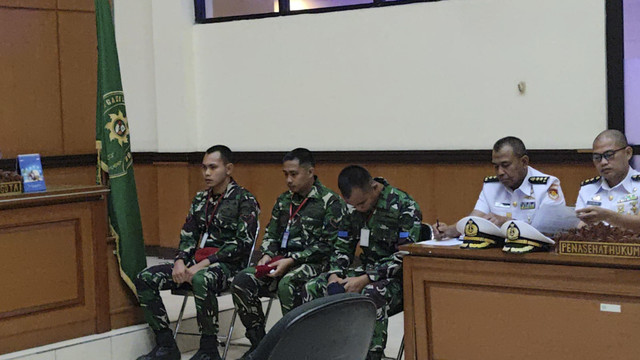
{"points": [[599, 249], [13, 187]]}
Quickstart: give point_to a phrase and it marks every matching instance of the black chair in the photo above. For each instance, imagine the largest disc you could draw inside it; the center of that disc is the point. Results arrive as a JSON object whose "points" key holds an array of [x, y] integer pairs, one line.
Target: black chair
{"points": [[337, 327]]}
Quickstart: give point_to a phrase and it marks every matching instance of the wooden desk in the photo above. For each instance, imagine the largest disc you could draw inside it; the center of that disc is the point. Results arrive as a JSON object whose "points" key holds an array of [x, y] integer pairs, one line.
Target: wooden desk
{"points": [[54, 272], [485, 304]]}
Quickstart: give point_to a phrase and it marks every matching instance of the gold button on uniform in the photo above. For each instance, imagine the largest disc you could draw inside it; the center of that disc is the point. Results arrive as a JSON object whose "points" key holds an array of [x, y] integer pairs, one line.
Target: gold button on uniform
{"points": [[610, 197], [515, 203]]}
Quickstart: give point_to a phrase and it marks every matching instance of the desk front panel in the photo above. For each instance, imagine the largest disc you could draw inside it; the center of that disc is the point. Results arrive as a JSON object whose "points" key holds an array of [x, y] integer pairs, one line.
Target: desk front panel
{"points": [[463, 309], [53, 270]]}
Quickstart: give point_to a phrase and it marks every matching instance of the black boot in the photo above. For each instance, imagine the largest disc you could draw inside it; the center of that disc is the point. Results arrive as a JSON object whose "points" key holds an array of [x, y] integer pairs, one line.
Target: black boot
{"points": [[208, 349], [165, 349], [254, 335], [374, 355]]}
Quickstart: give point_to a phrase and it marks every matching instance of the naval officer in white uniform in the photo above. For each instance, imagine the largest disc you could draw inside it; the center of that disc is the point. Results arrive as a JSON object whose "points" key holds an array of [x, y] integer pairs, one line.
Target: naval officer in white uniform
{"points": [[611, 197], [517, 191]]}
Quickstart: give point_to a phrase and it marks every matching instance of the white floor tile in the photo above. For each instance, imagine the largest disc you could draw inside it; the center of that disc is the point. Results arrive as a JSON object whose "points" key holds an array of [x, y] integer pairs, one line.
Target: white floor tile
{"points": [[131, 345], [94, 350], [49, 355]]}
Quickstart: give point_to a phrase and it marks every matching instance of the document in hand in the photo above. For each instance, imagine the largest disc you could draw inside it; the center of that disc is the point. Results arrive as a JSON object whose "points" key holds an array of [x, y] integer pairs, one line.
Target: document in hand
{"points": [[553, 219]]}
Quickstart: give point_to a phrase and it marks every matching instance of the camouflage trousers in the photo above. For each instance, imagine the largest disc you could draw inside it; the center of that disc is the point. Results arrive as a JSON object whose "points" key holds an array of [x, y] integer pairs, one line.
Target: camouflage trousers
{"points": [[386, 294], [206, 284], [247, 290]]}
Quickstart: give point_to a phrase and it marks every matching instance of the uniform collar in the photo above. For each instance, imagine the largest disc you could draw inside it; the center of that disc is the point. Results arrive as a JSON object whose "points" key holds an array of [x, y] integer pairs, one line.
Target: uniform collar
{"points": [[525, 187], [313, 193], [626, 183], [230, 186], [381, 202]]}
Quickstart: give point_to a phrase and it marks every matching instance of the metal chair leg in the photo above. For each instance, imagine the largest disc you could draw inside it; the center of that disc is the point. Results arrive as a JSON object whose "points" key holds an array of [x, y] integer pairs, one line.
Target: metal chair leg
{"points": [[401, 349], [266, 315], [228, 341], [184, 304]]}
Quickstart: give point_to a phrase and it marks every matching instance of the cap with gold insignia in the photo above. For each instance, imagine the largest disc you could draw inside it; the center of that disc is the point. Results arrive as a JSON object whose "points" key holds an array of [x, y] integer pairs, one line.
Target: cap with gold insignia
{"points": [[523, 238], [479, 233]]}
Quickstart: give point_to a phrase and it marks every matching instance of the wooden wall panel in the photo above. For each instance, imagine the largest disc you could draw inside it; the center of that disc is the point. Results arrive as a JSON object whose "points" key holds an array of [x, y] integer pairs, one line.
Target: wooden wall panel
{"points": [[147, 187], [30, 114], [173, 201], [32, 4], [123, 305], [81, 175], [78, 5], [78, 69]]}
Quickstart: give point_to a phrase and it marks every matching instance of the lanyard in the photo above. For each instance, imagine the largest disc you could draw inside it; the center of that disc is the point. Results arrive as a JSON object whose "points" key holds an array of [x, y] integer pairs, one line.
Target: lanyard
{"points": [[213, 213], [366, 222], [292, 215]]}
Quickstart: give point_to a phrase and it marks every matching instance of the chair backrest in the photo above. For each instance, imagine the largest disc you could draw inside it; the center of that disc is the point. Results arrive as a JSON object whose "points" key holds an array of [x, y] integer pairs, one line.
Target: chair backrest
{"points": [[336, 327], [426, 232]]}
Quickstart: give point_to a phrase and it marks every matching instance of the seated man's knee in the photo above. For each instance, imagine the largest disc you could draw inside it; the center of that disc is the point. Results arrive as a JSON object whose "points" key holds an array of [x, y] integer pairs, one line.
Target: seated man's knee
{"points": [[141, 280], [198, 280], [284, 284], [241, 280], [369, 290]]}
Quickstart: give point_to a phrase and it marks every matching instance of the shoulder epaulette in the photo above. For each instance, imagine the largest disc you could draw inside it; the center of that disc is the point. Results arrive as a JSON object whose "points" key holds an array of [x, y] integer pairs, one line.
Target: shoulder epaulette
{"points": [[591, 181], [635, 178], [490, 179], [539, 179]]}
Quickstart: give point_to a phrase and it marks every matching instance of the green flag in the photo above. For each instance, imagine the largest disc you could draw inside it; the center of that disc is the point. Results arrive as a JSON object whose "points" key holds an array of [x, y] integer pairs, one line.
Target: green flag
{"points": [[114, 152]]}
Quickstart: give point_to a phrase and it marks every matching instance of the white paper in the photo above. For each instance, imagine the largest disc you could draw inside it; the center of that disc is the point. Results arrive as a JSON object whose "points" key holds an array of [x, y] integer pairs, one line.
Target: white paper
{"points": [[552, 219], [364, 237], [443, 242]]}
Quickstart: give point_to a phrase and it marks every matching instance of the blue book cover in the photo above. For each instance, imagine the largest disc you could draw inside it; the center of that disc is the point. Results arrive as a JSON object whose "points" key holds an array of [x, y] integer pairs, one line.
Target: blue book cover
{"points": [[30, 168]]}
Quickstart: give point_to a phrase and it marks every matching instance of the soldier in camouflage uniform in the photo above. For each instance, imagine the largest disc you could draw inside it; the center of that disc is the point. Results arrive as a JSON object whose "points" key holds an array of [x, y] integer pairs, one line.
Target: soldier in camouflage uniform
{"points": [[225, 216], [302, 229], [380, 219]]}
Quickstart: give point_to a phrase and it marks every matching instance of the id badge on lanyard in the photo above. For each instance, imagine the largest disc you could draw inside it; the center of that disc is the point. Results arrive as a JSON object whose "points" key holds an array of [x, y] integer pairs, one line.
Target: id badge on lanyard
{"points": [[364, 237], [365, 232], [285, 238], [292, 214]]}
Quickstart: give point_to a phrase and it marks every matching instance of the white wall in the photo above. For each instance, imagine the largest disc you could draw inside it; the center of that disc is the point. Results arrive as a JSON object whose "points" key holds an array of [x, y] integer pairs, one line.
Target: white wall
{"points": [[156, 60], [134, 36], [420, 76]]}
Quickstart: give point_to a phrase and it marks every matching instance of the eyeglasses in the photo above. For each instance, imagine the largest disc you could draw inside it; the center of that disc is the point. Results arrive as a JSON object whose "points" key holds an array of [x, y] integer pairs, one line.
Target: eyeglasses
{"points": [[606, 155]]}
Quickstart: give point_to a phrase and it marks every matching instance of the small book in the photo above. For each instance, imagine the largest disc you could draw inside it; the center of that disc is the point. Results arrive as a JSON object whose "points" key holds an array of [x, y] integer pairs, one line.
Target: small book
{"points": [[30, 167]]}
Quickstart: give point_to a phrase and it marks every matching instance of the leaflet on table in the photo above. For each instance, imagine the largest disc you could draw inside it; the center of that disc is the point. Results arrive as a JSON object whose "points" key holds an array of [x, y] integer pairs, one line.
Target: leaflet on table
{"points": [[444, 242]]}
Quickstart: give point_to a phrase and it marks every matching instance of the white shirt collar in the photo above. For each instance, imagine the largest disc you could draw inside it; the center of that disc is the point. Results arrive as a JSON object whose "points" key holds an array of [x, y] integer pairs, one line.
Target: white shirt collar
{"points": [[626, 182]]}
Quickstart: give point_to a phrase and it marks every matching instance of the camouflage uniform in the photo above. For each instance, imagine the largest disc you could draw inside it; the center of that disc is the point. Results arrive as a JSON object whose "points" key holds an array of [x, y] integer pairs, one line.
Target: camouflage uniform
{"points": [[232, 231], [313, 231], [395, 221]]}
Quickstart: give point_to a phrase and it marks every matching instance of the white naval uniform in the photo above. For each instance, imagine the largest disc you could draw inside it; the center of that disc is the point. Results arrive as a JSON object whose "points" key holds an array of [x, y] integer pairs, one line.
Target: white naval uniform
{"points": [[523, 202], [622, 198]]}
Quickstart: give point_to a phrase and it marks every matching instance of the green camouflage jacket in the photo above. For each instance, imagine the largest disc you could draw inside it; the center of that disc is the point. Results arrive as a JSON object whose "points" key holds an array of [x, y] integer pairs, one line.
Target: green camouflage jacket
{"points": [[232, 230], [313, 230], [394, 221]]}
